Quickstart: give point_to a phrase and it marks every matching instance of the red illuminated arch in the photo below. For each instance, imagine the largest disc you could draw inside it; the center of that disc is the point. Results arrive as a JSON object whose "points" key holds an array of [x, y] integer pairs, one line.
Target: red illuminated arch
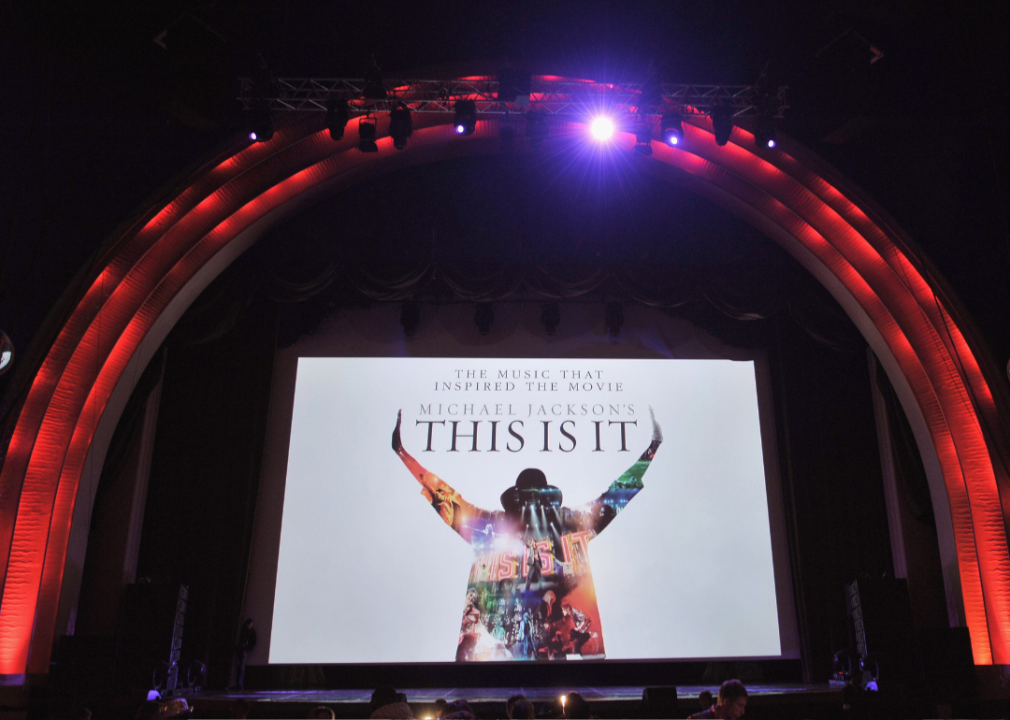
{"points": [[150, 274]]}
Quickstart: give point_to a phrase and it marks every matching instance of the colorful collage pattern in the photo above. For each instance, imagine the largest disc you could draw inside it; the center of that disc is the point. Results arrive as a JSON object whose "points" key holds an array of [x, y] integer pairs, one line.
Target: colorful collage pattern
{"points": [[530, 594]]}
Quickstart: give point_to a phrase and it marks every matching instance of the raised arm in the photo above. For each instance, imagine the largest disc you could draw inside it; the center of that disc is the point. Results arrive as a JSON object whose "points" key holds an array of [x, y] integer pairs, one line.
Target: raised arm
{"points": [[457, 513], [614, 499]]}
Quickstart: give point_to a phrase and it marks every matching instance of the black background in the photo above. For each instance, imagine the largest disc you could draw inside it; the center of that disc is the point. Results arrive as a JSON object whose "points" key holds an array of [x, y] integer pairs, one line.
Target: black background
{"points": [[97, 116]]}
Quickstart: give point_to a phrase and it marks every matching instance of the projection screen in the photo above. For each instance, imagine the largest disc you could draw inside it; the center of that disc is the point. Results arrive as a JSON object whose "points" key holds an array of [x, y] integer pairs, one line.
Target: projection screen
{"points": [[524, 509]]}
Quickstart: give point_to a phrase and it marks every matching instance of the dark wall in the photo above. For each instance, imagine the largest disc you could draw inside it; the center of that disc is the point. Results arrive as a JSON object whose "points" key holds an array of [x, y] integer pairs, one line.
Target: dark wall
{"points": [[832, 485], [204, 475]]}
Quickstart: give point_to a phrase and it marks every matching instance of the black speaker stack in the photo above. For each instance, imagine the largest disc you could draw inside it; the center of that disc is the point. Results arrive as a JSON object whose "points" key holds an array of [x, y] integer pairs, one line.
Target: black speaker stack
{"points": [[936, 664]]}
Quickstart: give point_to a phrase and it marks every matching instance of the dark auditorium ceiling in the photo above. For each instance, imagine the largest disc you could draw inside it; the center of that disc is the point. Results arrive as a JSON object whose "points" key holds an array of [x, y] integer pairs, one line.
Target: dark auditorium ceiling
{"points": [[106, 102]]}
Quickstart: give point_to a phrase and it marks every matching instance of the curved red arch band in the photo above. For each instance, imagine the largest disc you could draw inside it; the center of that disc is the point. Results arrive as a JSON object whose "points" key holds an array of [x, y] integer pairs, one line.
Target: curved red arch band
{"points": [[148, 266]]}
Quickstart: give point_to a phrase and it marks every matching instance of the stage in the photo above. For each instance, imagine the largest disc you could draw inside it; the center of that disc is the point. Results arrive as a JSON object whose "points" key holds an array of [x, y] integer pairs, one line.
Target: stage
{"points": [[767, 700]]}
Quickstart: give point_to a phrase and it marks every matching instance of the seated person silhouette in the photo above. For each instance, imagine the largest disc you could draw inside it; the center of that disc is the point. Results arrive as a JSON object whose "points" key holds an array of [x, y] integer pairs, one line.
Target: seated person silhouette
{"points": [[530, 595], [732, 702]]}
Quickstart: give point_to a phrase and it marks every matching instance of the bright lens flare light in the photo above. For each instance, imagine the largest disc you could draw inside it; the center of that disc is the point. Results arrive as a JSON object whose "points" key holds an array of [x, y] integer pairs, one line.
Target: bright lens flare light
{"points": [[602, 128]]}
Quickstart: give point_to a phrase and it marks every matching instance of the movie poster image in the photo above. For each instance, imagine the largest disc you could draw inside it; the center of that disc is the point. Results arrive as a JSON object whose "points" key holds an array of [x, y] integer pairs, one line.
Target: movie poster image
{"points": [[447, 510]]}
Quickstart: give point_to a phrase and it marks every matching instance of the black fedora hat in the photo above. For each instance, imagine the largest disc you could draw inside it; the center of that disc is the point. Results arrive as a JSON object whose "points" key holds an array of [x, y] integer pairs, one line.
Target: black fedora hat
{"points": [[531, 487]]}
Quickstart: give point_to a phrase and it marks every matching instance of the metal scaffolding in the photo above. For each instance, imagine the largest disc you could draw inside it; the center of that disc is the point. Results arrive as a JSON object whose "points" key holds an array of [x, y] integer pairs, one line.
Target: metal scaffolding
{"points": [[547, 95]]}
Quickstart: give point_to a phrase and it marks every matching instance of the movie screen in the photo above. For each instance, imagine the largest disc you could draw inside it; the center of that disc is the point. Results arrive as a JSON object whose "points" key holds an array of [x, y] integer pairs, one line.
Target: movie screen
{"points": [[455, 510]]}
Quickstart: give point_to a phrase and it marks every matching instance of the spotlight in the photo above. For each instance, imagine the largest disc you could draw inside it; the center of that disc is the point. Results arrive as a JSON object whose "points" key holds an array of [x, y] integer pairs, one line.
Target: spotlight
{"points": [[536, 127], [261, 125], [671, 125], [466, 117], [6, 352], [602, 128], [643, 138], [722, 124], [366, 136], [400, 125], [337, 115], [764, 132]]}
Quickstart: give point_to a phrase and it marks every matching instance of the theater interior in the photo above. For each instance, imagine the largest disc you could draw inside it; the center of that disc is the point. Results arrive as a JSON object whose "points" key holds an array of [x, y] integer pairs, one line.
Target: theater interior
{"points": [[245, 242]]}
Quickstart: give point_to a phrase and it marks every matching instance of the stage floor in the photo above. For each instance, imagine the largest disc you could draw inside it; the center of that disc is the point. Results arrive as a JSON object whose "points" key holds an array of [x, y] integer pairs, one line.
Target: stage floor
{"points": [[495, 694], [785, 700]]}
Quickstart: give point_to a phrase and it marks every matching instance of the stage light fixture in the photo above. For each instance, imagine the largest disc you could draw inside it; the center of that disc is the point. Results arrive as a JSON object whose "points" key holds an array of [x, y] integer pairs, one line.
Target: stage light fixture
{"points": [[764, 132], [6, 353], [722, 124], [671, 126], [466, 117], [264, 87], [196, 675], [337, 115], [602, 128], [261, 124], [366, 136], [400, 125]]}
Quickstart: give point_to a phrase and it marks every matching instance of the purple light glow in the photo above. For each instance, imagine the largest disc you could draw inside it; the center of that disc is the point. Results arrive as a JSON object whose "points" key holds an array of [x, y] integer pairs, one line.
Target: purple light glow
{"points": [[602, 128]]}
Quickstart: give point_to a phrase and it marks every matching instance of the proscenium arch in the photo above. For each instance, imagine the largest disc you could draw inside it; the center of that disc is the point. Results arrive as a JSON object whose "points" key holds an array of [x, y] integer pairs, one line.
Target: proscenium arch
{"points": [[149, 274]]}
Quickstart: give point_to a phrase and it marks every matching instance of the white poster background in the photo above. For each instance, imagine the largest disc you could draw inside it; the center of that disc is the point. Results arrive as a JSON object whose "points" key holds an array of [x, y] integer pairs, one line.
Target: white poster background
{"points": [[368, 571]]}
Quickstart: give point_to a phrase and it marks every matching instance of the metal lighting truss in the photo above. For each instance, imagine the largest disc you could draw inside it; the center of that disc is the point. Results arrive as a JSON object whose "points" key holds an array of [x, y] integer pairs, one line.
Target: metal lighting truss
{"points": [[548, 95]]}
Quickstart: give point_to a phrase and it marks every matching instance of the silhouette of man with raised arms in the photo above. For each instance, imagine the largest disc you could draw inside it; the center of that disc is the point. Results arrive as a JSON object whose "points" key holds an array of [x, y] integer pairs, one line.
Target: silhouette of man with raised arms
{"points": [[534, 554]]}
